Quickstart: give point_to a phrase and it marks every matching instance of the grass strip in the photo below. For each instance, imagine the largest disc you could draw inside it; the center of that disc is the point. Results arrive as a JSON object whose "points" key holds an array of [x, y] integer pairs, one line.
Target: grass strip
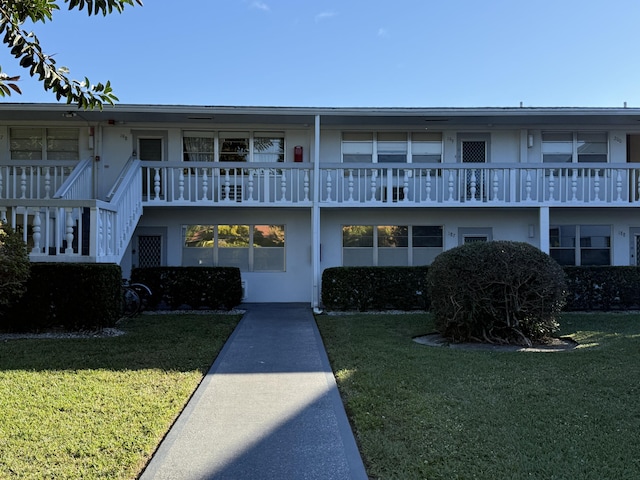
{"points": [[98, 407], [439, 413]]}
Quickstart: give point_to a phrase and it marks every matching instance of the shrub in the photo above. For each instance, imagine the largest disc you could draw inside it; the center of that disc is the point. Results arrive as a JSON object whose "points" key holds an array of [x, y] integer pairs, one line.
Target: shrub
{"points": [[374, 288], [191, 287], [69, 296], [14, 266], [496, 292]]}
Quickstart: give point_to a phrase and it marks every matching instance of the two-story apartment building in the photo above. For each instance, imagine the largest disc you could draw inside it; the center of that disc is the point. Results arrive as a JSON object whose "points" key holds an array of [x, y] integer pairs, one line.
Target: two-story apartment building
{"points": [[283, 193]]}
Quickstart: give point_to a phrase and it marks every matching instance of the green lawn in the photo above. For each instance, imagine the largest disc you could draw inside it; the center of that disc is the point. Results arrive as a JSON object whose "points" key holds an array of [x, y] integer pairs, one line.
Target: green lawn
{"points": [[97, 408], [423, 412]]}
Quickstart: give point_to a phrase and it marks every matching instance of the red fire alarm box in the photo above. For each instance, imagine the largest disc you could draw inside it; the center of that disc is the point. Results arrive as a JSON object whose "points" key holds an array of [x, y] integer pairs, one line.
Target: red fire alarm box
{"points": [[297, 153]]}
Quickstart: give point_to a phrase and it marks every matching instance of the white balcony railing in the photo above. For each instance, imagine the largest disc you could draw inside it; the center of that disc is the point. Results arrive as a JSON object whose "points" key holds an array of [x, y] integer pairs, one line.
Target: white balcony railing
{"points": [[227, 183], [33, 180], [72, 226], [474, 184]]}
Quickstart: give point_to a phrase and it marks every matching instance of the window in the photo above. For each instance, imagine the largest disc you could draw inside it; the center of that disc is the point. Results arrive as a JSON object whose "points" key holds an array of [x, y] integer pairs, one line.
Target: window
{"points": [[426, 147], [572, 147], [391, 147], [593, 247], [253, 248], [198, 147], [387, 245], [44, 143], [234, 147], [357, 147], [268, 147]]}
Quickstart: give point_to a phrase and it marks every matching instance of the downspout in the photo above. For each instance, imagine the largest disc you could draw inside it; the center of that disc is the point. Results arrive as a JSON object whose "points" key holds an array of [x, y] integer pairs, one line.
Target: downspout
{"points": [[315, 221]]}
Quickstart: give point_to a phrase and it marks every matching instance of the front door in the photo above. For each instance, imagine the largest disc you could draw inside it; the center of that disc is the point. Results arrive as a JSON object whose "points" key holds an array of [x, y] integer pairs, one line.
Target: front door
{"points": [[634, 247], [474, 151]]}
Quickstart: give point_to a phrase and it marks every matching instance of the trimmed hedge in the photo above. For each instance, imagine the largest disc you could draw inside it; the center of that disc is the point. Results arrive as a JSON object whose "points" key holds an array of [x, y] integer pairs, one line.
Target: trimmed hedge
{"points": [[68, 296], [179, 288], [404, 288], [603, 288], [374, 288]]}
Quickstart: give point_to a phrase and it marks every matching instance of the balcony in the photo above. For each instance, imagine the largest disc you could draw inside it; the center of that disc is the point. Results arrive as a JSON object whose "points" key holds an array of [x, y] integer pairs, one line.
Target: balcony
{"points": [[228, 184], [479, 185]]}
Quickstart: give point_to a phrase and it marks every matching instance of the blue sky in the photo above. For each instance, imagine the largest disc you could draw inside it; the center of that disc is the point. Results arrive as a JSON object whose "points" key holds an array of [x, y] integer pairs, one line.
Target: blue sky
{"points": [[352, 53]]}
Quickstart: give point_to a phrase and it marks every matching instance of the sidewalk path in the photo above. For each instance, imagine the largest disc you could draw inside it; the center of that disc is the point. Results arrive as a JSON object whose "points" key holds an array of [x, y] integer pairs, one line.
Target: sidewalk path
{"points": [[267, 409]]}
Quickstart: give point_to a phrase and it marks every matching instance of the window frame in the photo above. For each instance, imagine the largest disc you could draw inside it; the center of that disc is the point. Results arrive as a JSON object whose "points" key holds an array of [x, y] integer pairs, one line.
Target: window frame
{"points": [[212, 248], [376, 248], [370, 146], [46, 142], [570, 147], [578, 248], [250, 154]]}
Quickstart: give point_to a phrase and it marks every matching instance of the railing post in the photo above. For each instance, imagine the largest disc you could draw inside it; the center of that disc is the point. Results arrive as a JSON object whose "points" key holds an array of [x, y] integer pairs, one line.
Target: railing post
{"points": [[374, 183], [428, 184], [329, 186], [69, 231], [306, 185], [205, 184], [156, 184], [37, 222], [23, 183]]}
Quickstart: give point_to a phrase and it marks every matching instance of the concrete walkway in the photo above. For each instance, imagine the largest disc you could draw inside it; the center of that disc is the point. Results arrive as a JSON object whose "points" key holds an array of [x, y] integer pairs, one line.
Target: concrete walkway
{"points": [[268, 409]]}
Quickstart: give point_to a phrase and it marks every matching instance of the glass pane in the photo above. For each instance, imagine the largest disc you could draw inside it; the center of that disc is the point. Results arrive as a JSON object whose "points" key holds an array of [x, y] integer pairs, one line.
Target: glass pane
{"points": [[268, 236], [563, 256], [357, 137], [426, 148], [557, 137], [386, 158], [392, 147], [426, 137], [563, 236], [357, 158], [268, 259], [360, 148], [426, 236], [198, 236], [388, 257], [595, 236], [425, 256], [233, 236], [392, 137], [557, 158], [595, 257], [357, 257], [234, 257], [198, 149], [357, 236], [150, 149], [26, 143], [393, 236], [197, 257], [426, 158], [268, 149], [234, 148]]}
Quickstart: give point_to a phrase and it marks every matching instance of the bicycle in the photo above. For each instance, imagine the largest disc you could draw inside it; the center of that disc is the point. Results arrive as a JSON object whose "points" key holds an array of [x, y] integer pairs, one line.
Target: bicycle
{"points": [[135, 298]]}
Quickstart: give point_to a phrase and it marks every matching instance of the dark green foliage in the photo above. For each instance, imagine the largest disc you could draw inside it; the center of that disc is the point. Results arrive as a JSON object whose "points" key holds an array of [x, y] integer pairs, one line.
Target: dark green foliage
{"points": [[498, 292], [603, 288], [374, 288], [69, 296], [191, 287], [14, 266]]}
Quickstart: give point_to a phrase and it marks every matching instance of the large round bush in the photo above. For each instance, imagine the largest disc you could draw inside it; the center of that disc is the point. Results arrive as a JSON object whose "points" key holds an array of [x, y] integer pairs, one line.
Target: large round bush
{"points": [[496, 292]]}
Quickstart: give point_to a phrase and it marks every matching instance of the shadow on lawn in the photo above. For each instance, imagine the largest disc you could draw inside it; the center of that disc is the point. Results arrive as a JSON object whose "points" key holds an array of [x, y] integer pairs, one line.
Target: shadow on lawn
{"points": [[165, 342]]}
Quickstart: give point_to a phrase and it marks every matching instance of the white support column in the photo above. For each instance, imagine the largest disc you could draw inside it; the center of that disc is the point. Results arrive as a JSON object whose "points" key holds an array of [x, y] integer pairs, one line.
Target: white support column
{"points": [[315, 220], [544, 229]]}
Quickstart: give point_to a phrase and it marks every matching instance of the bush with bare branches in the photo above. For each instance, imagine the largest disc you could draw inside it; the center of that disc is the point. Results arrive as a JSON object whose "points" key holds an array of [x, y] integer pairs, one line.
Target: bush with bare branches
{"points": [[496, 292]]}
